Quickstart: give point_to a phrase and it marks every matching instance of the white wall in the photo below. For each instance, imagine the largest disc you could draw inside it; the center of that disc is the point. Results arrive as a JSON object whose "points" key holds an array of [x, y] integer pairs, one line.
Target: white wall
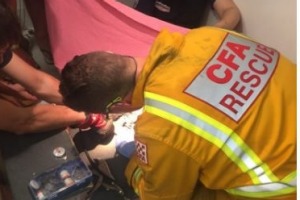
{"points": [[271, 22]]}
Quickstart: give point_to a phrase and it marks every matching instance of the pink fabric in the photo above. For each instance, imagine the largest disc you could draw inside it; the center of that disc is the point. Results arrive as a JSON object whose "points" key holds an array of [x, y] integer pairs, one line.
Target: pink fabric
{"points": [[81, 26]]}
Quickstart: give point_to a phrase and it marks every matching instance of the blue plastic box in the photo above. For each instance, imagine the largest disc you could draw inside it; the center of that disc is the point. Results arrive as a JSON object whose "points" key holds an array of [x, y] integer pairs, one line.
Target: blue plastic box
{"points": [[62, 181]]}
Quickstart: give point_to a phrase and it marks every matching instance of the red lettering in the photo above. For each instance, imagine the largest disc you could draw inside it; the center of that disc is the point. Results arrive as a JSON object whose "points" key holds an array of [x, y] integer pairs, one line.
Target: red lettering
{"points": [[238, 49], [257, 68], [267, 49], [247, 78], [227, 58], [229, 101], [216, 68], [241, 91], [267, 58]]}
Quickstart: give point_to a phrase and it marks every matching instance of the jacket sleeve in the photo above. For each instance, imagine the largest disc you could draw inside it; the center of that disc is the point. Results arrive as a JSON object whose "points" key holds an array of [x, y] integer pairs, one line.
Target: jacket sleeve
{"points": [[161, 172]]}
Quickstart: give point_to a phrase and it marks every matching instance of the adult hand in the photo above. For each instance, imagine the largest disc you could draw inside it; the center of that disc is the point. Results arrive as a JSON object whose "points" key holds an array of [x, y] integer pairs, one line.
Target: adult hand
{"points": [[17, 90]]}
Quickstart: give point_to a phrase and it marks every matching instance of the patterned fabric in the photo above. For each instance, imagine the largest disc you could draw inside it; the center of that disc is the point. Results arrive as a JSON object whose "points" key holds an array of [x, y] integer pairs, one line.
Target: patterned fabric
{"points": [[141, 151]]}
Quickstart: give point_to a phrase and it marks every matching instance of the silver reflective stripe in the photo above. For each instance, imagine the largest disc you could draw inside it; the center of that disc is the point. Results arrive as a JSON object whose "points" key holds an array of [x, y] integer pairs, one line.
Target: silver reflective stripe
{"points": [[267, 189], [264, 187], [213, 131]]}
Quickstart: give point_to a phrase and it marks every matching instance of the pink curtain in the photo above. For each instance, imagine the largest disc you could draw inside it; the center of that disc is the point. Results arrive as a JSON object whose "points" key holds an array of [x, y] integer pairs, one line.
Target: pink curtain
{"points": [[80, 26]]}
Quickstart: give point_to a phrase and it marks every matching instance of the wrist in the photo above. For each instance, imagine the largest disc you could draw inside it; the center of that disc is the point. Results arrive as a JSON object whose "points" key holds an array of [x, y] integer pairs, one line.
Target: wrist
{"points": [[92, 120]]}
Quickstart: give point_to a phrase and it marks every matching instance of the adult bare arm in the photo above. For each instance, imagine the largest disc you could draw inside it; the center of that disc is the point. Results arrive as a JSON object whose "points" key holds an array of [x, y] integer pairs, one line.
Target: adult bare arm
{"points": [[228, 13], [36, 118], [35, 81]]}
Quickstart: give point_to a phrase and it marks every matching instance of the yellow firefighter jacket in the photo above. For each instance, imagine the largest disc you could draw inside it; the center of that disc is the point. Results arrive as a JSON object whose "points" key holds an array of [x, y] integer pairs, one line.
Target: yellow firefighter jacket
{"points": [[220, 109]]}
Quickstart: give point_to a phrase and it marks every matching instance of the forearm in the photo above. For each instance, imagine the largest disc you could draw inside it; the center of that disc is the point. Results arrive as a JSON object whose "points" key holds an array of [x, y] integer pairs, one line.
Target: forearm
{"points": [[229, 19], [37, 118], [50, 117], [48, 89], [37, 82]]}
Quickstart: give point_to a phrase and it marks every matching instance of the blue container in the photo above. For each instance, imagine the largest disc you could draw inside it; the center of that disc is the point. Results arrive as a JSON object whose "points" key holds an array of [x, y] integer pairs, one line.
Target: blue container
{"points": [[61, 181]]}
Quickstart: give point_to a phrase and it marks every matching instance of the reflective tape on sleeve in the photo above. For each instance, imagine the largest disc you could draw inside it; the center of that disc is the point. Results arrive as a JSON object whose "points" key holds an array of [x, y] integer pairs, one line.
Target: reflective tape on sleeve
{"points": [[214, 132]]}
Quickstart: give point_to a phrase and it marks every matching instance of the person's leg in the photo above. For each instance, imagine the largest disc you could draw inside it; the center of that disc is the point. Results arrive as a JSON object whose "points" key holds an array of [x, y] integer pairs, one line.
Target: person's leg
{"points": [[37, 13]]}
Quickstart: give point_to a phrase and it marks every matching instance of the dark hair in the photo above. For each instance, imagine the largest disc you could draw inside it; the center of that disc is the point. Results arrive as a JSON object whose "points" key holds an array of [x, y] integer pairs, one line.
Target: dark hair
{"points": [[91, 81]]}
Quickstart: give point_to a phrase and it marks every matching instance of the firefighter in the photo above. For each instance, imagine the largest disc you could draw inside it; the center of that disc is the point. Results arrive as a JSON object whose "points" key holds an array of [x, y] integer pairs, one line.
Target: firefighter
{"points": [[219, 117]]}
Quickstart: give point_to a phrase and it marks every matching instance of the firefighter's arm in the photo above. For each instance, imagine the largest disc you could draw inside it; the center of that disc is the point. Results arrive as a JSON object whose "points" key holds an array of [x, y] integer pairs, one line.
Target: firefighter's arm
{"points": [[161, 172]]}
